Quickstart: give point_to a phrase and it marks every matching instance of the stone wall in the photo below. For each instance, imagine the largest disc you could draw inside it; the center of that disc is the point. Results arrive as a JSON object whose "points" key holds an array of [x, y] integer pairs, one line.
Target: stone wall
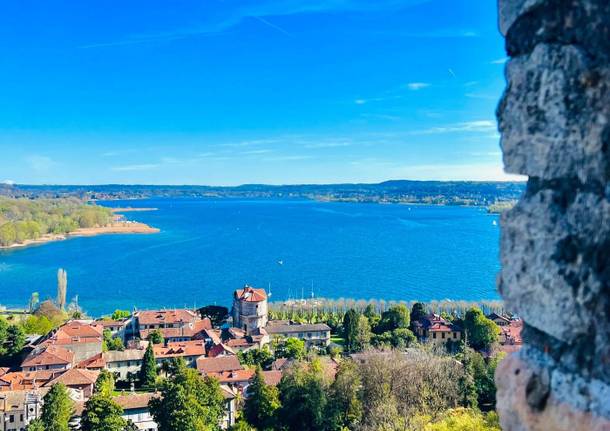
{"points": [[554, 119]]}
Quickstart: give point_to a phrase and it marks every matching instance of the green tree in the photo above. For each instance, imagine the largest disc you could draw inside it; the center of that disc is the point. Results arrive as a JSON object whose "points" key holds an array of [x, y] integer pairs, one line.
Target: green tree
{"points": [[57, 409], [256, 357], [372, 315], [216, 313], [155, 337], [350, 329], [102, 414], [291, 347], [242, 425], [148, 371], [303, 398], [395, 317], [362, 336], [418, 311], [3, 333], [481, 332], [36, 425], [120, 314], [465, 420], [402, 338], [104, 384], [344, 404], [262, 404], [188, 402], [111, 343], [15, 339]]}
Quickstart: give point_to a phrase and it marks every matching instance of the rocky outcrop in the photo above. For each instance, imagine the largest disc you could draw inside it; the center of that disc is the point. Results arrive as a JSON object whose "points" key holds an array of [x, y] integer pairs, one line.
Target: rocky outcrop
{"points": [[554, 119]]}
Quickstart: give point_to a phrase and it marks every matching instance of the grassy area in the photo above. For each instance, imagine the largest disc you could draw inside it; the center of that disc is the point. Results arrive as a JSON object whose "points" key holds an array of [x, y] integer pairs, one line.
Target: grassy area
{"points": [[337, 340]]}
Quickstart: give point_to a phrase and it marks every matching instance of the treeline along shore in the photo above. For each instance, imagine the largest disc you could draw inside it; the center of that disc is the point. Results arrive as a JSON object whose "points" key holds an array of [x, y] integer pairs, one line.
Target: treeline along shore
{"points": [[26, 222], [472, 193]]}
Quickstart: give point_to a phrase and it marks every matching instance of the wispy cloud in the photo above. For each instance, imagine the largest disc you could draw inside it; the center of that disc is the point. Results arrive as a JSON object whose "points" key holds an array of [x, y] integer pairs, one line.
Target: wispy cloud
{"points": [[481, 96], [8, 182], [500, 60], [40, 163], [256, 152], [414, 86], [477, 126], [288, 158], [232, 15], [141, 167]]}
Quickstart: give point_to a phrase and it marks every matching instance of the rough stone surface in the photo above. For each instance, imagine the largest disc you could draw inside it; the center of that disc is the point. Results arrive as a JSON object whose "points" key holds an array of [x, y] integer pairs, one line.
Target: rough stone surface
{"points": [[519, 382], [554, 119]]}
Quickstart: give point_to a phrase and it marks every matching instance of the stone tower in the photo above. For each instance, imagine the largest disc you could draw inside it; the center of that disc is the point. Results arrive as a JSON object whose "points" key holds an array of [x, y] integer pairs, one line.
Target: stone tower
{"points": [[250, 309]]}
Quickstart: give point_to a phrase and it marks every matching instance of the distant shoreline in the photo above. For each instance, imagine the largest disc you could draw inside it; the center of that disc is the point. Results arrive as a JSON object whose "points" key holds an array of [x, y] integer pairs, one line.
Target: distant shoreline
{"points": [[118, 227], [131, 209]]}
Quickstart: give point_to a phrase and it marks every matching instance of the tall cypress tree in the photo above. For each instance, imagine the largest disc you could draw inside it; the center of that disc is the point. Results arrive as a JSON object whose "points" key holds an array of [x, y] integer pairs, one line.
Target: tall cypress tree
{"points": [[262, 404], [148, 372], [57, 409]]}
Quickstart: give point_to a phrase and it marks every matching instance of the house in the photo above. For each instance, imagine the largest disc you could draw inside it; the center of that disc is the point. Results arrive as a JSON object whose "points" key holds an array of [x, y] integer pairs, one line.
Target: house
{"points": [[218, 364], [81, 337], [499, 319], [19, 408], [175, 325], [230, 397], [135, 409], [27, 380], [317, 334], [48, 357], [510, 336], [125, 364], [237, 379], [220, 350], [434, 329], [117, 328], [272, 377], [96, 362], [250, 309], [77, 379], [190, 351]]}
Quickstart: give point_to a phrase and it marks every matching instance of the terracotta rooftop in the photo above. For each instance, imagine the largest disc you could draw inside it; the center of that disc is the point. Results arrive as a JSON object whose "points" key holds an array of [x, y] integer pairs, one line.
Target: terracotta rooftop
{"points": [[51, 355], [94, 362], [179, 349], [272, 377], [233, 376], [218, 364], [219, 350], [77, 331], [250, 294], [157, 317], [134, 401], [76, 377], [189, 330]]}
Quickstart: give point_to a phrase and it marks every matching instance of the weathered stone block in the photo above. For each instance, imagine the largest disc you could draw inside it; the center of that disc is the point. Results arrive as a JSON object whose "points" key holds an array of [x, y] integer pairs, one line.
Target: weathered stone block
{"points": [[554, 116], [553, 254], [525, 403]]}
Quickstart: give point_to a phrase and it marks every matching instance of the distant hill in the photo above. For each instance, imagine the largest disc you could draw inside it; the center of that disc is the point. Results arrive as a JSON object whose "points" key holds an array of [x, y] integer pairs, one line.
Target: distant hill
{"points": [[395, 191]]}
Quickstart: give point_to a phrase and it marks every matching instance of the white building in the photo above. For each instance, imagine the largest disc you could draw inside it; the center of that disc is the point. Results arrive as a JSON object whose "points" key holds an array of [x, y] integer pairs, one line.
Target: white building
{"points": [[250, 309]]}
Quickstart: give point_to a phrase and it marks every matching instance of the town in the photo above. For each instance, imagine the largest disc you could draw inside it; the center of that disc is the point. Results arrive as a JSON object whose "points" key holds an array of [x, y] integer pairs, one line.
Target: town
{"points": [[134, 355]]}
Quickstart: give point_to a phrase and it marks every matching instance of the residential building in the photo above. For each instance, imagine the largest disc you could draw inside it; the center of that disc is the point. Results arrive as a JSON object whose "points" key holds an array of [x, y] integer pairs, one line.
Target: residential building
{"points": [[81, 337], [19, 408], [175, 325], [48, 357], [499, 319], [313, 334], [190, 351], [126, 364], [218, 364], [77, 379], [230, 396], [434, 329], [135, 409], [250, 309]]}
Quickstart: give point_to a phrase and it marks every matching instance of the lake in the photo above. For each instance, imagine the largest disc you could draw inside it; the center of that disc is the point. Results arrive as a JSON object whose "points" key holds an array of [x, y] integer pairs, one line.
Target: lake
{"points": [[208, 248]]}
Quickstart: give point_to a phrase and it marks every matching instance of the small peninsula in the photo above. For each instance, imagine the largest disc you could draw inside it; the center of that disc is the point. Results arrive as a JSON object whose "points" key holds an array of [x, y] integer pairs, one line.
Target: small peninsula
{"points": [[25, 222]]}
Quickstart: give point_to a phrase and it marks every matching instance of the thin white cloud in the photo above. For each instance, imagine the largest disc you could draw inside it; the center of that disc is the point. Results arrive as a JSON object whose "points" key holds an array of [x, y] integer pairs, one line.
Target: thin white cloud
{"points": [[141, 167], [255, 152], [414, 86], [360, 101], [8, 182], [476, 126], [40, 163], [481, 96], [500, 60]]}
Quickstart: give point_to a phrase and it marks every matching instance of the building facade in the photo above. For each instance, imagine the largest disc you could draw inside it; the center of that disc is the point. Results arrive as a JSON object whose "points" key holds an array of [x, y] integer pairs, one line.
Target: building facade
{"points": [[250, 309]]}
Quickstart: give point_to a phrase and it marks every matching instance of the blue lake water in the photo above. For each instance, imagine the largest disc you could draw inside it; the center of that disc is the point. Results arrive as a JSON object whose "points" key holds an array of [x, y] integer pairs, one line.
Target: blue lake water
{"points": [[208, 248]]}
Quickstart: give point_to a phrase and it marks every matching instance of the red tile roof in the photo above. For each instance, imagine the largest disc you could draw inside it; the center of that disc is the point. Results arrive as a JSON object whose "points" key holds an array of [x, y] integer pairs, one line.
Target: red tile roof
{"points": [[157, 317], [76, 377], [51, 355], [134, 401], [188, 330], [236, 376], [273, 377], [179, 349], [250, 294], [219, 350], [218, 364], [77, 331], [94, 362]]}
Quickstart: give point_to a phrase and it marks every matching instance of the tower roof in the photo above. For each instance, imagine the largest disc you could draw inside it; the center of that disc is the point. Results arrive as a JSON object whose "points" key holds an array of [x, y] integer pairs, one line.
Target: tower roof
{"points": [[250, 294]]}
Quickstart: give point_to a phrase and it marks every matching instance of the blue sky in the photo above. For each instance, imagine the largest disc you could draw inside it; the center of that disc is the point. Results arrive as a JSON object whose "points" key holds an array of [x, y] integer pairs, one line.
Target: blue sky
{"points": [[234, 91]]}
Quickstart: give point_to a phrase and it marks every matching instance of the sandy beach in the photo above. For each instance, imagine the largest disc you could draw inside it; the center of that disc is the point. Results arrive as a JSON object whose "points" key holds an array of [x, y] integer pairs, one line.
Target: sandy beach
{"points": [[118, 227]]}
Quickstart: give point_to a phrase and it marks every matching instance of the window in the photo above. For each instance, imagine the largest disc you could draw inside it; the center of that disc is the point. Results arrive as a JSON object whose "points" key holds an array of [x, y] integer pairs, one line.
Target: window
{"points": [[455, 335], [443, 335], [434, 335]]}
